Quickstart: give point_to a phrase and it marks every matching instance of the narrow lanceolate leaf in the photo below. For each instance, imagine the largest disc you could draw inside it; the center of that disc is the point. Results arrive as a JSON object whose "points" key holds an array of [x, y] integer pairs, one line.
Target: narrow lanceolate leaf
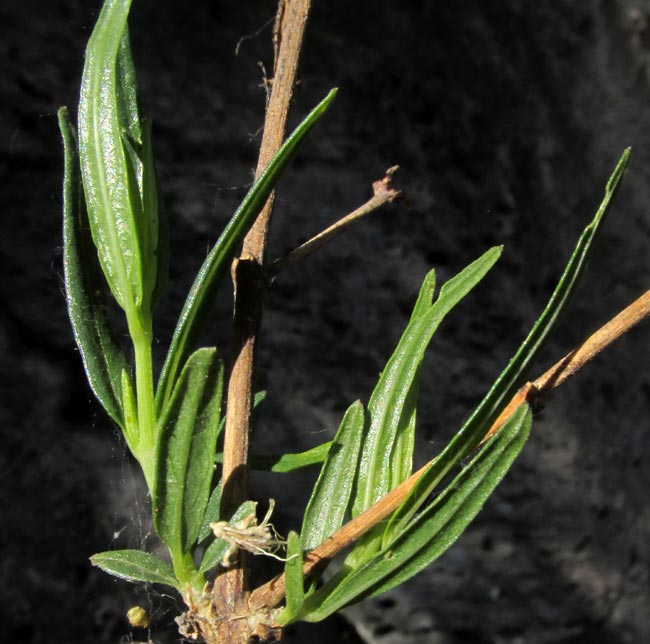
{"points": [[103, 359], [211, 514], [402, 455], [284, 463], [217, 549], [295, 593], [430, 533], [154, 227], [136, 565], [131, 430], [391, 399], [514, 374], [403, 425], [330, 498], [185, 454], [217, 264], [110, 146]]}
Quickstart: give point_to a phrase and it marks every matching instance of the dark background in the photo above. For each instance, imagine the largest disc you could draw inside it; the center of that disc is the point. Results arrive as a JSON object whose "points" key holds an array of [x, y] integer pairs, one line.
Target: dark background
{"points": [[506, 119]]}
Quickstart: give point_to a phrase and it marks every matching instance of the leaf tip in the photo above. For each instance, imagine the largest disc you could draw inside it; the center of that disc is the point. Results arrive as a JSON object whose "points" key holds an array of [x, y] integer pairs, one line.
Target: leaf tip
{"points": [[619, 170]]}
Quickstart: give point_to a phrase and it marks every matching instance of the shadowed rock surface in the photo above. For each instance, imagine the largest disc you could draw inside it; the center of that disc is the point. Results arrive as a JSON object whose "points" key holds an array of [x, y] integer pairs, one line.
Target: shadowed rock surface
{"points": [[506, 119]]}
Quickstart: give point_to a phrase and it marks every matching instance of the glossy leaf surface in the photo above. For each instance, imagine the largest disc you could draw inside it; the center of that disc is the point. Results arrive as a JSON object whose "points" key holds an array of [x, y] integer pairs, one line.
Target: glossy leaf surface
{"points": [[103, 359], [330, 498], [110, 151]]}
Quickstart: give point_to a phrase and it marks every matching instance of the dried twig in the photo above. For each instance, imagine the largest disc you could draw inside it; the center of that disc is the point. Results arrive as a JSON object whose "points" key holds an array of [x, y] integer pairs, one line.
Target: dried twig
{"points": [[614, 329], [538, 391], [229, 591], [382, 194], [535, 393]]}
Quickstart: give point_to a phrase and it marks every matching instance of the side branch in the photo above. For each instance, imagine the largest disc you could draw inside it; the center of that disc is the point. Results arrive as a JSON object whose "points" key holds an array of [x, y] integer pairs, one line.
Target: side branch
{"points": [[536, 393], [578, 358], [383, 194]]}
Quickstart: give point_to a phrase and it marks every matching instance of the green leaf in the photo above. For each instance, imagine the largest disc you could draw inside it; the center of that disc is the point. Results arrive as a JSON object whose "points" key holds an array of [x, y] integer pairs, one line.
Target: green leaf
{"points": [[211, 514], [295, 589], [217, 549], [402, 455], [330, 498], [514, 374], [110, 151], [130, 429], [391, 395], [425, 296], [154, 230], [126, 85], [217, 264], [185, 454], [430, 533], [103, 359], [136, 565], [284, 463]]}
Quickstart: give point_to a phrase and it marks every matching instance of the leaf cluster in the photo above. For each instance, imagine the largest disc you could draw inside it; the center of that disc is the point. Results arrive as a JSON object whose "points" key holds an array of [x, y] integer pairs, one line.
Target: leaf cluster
{"points": [[115, 241], [115, 244]]}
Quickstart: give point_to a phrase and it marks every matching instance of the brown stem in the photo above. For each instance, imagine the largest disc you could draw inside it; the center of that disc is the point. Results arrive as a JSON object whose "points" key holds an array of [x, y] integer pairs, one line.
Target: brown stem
{"points": [[382, 194], [576, 359], [229, 591], [538, 391], [535, 393]]}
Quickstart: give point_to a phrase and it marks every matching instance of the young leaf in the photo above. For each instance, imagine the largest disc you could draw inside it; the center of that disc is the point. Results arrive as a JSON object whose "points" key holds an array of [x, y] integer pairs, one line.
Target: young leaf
{"points": [[136, 565], [217, 263], [402, 455], [284, 463], [103, 359], [130, 429], [513, 375], [295, 595], [110, 143], [388, 400], [430, 533], [217, 549], [330, 498], [185, 453]]}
